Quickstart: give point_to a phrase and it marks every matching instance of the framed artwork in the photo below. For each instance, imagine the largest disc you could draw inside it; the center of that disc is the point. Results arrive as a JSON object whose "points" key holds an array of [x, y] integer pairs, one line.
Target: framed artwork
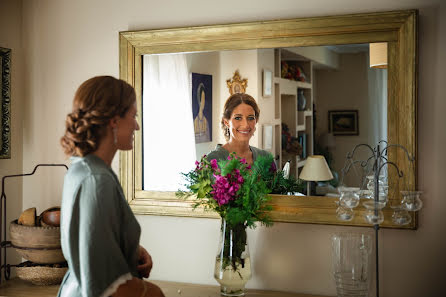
{"points": [[267, 83], [202, 107], [343, 122], [5, 103], [236, 84]]}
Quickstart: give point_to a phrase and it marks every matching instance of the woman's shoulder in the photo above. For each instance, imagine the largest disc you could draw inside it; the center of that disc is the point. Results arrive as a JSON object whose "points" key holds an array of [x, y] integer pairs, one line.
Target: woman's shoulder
{"points": [[89, 166], [259, 152], [218, 153]]}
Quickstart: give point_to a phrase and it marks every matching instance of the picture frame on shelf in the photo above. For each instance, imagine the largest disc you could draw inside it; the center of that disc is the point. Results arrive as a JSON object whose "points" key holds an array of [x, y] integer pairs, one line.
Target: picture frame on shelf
{"points": [[267, 82], [343, 122]]}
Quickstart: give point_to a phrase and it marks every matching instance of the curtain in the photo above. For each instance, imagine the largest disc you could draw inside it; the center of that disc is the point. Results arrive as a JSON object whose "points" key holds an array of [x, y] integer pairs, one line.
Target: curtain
{"points": [[168, 143], [377, 83]]}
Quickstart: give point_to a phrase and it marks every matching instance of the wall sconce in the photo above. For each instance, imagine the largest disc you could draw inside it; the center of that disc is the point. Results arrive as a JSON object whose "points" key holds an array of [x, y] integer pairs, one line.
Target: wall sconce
{"points": [[378, 55]]}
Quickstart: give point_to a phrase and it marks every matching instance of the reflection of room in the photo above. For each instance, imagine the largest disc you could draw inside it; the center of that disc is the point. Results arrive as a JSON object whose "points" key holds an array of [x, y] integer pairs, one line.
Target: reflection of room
{"points": [[353, 85], [334, 78]]}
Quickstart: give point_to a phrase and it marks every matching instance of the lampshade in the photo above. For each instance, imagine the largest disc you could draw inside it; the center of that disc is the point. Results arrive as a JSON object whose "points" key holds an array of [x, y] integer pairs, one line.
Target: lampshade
{"points": [[316, 169], [378, 55]]}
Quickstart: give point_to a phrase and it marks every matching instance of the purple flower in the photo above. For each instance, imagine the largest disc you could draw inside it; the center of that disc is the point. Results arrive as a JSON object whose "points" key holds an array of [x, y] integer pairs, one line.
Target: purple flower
{"points": [[243, 160], [273, 167], [214, 164]]}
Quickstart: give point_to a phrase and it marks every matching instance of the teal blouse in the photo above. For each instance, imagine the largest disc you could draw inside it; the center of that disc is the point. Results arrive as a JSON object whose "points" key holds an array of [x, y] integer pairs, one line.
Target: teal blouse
{"points": [[221, 153], [99, 232]]}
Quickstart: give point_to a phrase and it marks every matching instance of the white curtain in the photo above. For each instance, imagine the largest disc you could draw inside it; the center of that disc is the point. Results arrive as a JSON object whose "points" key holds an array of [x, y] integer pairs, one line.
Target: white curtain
{"points": [[377, 83], [168, 132]]}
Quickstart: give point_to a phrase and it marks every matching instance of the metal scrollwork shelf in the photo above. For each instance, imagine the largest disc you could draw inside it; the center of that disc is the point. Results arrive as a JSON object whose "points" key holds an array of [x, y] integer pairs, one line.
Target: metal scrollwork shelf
{"points": [[4, 244]]}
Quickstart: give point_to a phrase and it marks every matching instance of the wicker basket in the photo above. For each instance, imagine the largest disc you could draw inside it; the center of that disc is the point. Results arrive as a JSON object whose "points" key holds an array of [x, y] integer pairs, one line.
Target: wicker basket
{"points": [[37, 244], [41, 275]]}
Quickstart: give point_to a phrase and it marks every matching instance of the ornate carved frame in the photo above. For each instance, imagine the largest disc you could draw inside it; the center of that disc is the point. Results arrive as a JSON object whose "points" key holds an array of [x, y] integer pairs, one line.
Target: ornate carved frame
{"points": [[5, 103], [398, 28]]}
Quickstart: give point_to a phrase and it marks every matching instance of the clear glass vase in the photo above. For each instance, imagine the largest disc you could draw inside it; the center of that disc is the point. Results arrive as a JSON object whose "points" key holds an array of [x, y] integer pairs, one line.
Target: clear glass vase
{"points": [[349, 197], [351, 264], [232, 264], [411, 200]]}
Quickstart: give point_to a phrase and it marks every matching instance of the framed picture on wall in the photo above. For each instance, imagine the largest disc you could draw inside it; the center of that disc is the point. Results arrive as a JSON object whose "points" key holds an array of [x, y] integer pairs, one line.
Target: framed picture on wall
{"points": [[267, 83], [343, 122], [5, 103], [202, 107]]}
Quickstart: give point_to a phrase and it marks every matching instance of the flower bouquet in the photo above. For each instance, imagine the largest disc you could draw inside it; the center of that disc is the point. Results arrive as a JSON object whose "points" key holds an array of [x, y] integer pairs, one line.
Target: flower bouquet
{"points": [[238, 192]]}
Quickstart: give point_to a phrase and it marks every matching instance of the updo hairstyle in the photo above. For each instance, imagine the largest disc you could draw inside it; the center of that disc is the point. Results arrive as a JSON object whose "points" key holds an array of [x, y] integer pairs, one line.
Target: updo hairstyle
{"points": [[95, 103], [231, 103]]}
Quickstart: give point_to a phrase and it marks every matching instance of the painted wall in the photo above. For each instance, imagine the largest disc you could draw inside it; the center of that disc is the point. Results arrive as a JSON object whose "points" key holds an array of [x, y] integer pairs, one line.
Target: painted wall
{"points": [[66, 42], [11, 37], [345, 88]]}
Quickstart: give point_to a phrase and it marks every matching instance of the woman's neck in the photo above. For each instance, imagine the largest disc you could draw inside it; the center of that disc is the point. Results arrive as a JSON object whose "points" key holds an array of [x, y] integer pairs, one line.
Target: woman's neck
{"points": [[106, 150], [240, 148]]}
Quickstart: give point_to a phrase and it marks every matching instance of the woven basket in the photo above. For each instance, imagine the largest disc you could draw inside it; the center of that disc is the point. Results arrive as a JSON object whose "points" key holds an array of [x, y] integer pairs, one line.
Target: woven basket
{"points": [[42, 275], [37, 244]]}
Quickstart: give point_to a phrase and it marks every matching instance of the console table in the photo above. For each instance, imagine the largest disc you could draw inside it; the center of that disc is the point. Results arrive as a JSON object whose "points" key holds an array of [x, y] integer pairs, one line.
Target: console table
{"points": [[18, 288]]}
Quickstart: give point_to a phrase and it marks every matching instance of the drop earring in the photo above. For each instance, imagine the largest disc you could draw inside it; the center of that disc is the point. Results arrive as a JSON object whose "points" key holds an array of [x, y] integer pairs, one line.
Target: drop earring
{"points": [[115, 135]]}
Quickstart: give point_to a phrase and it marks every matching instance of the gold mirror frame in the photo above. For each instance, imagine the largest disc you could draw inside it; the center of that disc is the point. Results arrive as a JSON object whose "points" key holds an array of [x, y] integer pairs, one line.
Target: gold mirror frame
{"points": [[398, 28]]}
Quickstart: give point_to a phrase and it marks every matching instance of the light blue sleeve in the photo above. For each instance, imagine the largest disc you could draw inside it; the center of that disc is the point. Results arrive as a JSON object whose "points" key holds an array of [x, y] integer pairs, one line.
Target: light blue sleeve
{"points": [[94, 243]]}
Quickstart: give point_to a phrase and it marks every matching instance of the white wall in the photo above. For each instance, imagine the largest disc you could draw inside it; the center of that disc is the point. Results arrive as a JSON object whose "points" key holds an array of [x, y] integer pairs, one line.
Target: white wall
{"points": [[66, 42]]}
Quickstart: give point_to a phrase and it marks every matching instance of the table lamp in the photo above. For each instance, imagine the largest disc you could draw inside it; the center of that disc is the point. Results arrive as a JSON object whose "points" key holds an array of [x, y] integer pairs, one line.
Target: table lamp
{"points": [[315, 169]]}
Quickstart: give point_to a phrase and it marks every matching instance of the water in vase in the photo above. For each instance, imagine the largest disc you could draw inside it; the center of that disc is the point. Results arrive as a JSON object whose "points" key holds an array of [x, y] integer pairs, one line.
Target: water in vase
{"points": [[232, 281]]}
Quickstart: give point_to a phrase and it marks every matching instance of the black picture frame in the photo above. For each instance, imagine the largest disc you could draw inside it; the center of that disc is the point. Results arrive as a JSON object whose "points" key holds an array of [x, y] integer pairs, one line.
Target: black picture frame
{"points": [[343, 122], [5, 103]]}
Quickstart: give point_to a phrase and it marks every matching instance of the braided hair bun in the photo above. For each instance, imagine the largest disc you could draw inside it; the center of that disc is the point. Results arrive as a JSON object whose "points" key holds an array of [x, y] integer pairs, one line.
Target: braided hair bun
{"points": [[95, 103]]}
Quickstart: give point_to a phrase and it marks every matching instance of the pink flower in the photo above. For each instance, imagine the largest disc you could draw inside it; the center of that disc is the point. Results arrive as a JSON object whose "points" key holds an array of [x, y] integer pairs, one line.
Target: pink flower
{"points": [[214, 164]]}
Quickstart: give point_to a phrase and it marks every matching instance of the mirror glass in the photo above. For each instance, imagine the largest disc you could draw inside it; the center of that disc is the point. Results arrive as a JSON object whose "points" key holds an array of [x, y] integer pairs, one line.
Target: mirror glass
{"points": [[313, 100]]}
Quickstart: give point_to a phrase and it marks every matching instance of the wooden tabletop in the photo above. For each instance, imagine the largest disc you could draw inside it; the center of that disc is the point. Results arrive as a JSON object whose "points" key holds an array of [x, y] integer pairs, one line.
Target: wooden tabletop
{"points": [[18, 288]]}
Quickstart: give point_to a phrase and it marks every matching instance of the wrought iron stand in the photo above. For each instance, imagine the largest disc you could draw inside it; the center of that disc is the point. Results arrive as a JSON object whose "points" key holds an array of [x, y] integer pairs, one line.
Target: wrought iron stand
{"points": [[379, 159], [3, 242]]}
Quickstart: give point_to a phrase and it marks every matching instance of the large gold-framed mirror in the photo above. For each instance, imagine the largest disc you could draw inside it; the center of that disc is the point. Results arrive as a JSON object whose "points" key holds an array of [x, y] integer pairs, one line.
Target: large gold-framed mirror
{"points": [[398, 29]]}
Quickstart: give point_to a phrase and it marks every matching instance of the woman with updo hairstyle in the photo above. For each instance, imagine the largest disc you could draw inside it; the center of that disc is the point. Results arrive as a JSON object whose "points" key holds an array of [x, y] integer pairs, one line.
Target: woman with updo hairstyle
{"points": [[99, 232], [240, 116]]}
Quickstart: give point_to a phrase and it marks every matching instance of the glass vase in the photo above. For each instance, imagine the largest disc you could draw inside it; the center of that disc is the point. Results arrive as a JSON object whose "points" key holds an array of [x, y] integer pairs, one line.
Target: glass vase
{"points": [[351, 264], [232, 264], [349, 197], [411, 200]]}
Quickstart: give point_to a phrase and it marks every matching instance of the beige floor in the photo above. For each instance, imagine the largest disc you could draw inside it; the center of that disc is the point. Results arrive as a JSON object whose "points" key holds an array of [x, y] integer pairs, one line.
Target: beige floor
{"points": [[19, 288]]}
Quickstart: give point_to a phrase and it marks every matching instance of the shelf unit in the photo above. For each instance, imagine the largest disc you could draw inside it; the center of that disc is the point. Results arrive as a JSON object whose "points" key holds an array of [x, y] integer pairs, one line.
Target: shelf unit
{"points": [[299, 122]]}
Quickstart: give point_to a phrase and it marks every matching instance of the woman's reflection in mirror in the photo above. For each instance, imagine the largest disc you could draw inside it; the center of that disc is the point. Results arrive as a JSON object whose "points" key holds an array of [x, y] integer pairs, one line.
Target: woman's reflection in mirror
{"points": [[240, 116]]}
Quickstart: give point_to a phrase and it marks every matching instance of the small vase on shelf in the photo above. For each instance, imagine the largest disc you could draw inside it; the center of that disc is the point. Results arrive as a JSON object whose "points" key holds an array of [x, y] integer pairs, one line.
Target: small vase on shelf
{"points": [[301, 100], [232, 264]]}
